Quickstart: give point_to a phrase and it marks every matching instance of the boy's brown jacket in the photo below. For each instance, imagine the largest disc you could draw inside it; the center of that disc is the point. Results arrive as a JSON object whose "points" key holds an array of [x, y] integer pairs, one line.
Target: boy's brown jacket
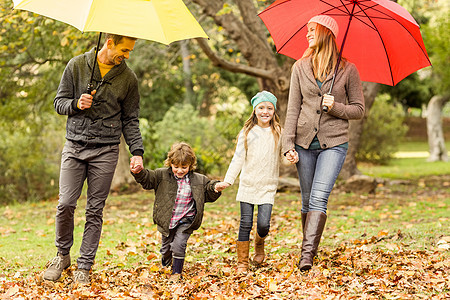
{"points": [[165, 185]]}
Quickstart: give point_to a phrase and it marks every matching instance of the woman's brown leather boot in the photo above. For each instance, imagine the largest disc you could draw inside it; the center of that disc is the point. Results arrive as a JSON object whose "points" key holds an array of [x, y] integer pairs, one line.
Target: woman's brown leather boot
{"points": [[303, 222], [315, 223]]}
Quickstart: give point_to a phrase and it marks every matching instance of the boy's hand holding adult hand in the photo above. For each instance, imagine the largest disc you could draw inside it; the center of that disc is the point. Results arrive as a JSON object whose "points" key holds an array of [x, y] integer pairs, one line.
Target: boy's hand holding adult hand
{"points": [[85, 100], [136, 164], [220, 186]]}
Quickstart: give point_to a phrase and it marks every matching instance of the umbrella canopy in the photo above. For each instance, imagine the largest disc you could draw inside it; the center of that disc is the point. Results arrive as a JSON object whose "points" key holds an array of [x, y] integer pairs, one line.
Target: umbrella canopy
{"points": [[163, 21], [381, 38]]}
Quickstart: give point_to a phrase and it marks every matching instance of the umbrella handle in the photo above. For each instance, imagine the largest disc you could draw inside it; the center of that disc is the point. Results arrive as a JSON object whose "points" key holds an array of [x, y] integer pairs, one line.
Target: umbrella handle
{"points": [[324, 107], [90, 88]]}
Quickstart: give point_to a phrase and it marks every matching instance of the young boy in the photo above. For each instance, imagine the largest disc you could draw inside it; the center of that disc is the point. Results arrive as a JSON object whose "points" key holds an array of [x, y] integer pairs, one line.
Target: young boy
{"points": [[180, 196]]}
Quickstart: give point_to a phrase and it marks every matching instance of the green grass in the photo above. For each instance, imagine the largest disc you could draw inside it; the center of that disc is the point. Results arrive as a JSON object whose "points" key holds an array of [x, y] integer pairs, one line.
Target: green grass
{"points": [[409, 213], [407, 167], [413, 146]]}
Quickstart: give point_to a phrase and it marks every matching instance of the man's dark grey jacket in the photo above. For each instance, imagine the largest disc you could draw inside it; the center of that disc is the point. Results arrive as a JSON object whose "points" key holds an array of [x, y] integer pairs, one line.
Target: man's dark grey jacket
{"points": [[115, 107]]}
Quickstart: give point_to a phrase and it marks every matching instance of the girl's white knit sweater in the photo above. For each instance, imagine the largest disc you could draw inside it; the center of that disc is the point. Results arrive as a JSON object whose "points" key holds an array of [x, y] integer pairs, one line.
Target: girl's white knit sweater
{"points": [[258, 166]]}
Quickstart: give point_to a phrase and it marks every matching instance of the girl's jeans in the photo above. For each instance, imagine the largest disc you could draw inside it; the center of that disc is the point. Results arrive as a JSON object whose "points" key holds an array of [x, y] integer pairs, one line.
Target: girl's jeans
{"points": [[317, 172], [246, 224]]}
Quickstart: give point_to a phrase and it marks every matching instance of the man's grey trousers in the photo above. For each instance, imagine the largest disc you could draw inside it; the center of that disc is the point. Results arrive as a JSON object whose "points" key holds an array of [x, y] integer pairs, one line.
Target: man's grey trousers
{"points": [[96, 165]]}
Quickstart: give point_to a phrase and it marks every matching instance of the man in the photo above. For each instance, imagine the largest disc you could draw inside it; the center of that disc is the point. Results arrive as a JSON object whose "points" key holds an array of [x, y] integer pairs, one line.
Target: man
{"points": [[94, 126]]}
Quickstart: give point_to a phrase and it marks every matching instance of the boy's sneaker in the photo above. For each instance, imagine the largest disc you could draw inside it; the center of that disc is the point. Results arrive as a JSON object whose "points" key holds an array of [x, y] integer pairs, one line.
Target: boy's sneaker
{"points": [[81, 276], [56, 266]]}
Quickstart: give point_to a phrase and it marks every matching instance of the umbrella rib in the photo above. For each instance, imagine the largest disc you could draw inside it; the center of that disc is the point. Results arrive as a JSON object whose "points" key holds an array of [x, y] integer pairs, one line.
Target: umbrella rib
{"points": [[382, 42]]}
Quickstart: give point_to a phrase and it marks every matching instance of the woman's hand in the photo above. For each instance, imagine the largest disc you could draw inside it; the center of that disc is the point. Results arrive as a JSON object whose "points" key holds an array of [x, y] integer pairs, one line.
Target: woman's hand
{"points": [[292, 156], [328, 101]]}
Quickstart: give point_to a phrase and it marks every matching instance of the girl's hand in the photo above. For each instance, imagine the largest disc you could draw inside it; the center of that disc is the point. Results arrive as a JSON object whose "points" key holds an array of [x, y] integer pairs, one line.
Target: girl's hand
{"points": [[220, 186], [328, 101], [292, 156]]}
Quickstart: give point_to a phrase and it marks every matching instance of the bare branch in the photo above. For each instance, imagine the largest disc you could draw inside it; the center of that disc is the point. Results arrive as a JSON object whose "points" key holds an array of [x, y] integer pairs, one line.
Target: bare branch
{"points": [[233, 67], [250, 17]]}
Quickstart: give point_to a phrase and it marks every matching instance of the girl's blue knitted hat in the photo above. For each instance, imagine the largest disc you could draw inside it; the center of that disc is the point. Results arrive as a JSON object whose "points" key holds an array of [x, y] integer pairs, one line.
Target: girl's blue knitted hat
{"points": [[262, 97]]}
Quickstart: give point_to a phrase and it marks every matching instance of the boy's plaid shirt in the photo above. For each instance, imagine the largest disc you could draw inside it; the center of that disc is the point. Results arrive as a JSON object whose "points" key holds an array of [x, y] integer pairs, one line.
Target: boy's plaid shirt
{"points": [[184, 204]]}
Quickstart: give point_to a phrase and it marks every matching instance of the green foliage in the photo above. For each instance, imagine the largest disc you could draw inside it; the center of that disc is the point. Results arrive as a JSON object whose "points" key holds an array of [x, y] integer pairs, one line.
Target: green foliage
{"points": [[159, 89], [412, 91], [210, 137], [437, 42], [29, 159], [34, 52], [382, 132]]}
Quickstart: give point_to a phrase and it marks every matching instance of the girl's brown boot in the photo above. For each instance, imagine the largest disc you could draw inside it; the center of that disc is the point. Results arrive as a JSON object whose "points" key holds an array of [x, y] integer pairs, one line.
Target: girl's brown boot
{"points": [[259, 249], [242, 248]]}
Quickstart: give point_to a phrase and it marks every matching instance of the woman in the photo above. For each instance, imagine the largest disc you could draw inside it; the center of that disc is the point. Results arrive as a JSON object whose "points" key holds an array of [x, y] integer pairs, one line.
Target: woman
{"points": [[314, 139]]}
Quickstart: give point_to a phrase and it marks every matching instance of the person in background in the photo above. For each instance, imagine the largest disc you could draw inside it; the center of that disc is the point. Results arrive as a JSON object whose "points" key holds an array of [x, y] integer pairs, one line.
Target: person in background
{"points": [[314, 139], [180, 196], [95, 123]]}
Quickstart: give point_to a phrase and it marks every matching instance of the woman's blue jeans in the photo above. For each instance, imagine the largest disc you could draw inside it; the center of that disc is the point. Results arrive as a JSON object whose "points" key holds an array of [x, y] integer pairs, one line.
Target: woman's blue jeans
{"points": [[317, 172], [262, 223]]}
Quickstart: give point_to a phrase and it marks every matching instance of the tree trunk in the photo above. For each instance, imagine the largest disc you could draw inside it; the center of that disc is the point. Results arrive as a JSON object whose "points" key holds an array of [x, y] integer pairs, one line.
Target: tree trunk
{"points": [[187, 73], [436, 141], [349, 169], [122, 176]]}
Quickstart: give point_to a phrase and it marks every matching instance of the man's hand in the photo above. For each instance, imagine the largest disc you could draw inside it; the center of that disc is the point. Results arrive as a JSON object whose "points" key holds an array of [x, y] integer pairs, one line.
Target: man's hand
{"points": [[85, 100], [136, 164]]}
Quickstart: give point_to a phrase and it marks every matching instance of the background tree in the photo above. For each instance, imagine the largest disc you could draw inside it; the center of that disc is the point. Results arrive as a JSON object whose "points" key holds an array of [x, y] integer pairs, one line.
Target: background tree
{"points": [[33, 50], [437, 41], [238, 21], [429, 86]]}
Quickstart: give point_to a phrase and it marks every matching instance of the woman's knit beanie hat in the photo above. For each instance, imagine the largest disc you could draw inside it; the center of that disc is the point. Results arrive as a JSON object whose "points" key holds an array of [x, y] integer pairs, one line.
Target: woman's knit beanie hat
{"points": [[262, 97], [326, 21]]}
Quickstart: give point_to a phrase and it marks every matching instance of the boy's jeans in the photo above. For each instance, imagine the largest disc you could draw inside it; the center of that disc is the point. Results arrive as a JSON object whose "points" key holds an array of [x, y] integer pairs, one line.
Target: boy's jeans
{"points": [[317, 172], [175, 244]]}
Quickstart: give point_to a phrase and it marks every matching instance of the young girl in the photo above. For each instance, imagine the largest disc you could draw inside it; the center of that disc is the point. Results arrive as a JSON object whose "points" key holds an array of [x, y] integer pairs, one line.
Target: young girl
{"points": [[180, 196], [316, 139], [257, 158]]}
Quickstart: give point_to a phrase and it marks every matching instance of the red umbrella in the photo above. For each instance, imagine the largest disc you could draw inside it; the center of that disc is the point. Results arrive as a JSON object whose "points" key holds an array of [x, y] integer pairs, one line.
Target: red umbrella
{"points": [[381, 38]]}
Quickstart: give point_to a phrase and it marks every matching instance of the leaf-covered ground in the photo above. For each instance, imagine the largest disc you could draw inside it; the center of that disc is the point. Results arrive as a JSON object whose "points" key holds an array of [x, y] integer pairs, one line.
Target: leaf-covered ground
{"points": [[390, 245]]}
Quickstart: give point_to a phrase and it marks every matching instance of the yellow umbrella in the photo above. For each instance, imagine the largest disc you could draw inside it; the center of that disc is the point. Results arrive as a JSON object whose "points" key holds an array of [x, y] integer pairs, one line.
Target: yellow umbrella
{"points": [[164, 21]]}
